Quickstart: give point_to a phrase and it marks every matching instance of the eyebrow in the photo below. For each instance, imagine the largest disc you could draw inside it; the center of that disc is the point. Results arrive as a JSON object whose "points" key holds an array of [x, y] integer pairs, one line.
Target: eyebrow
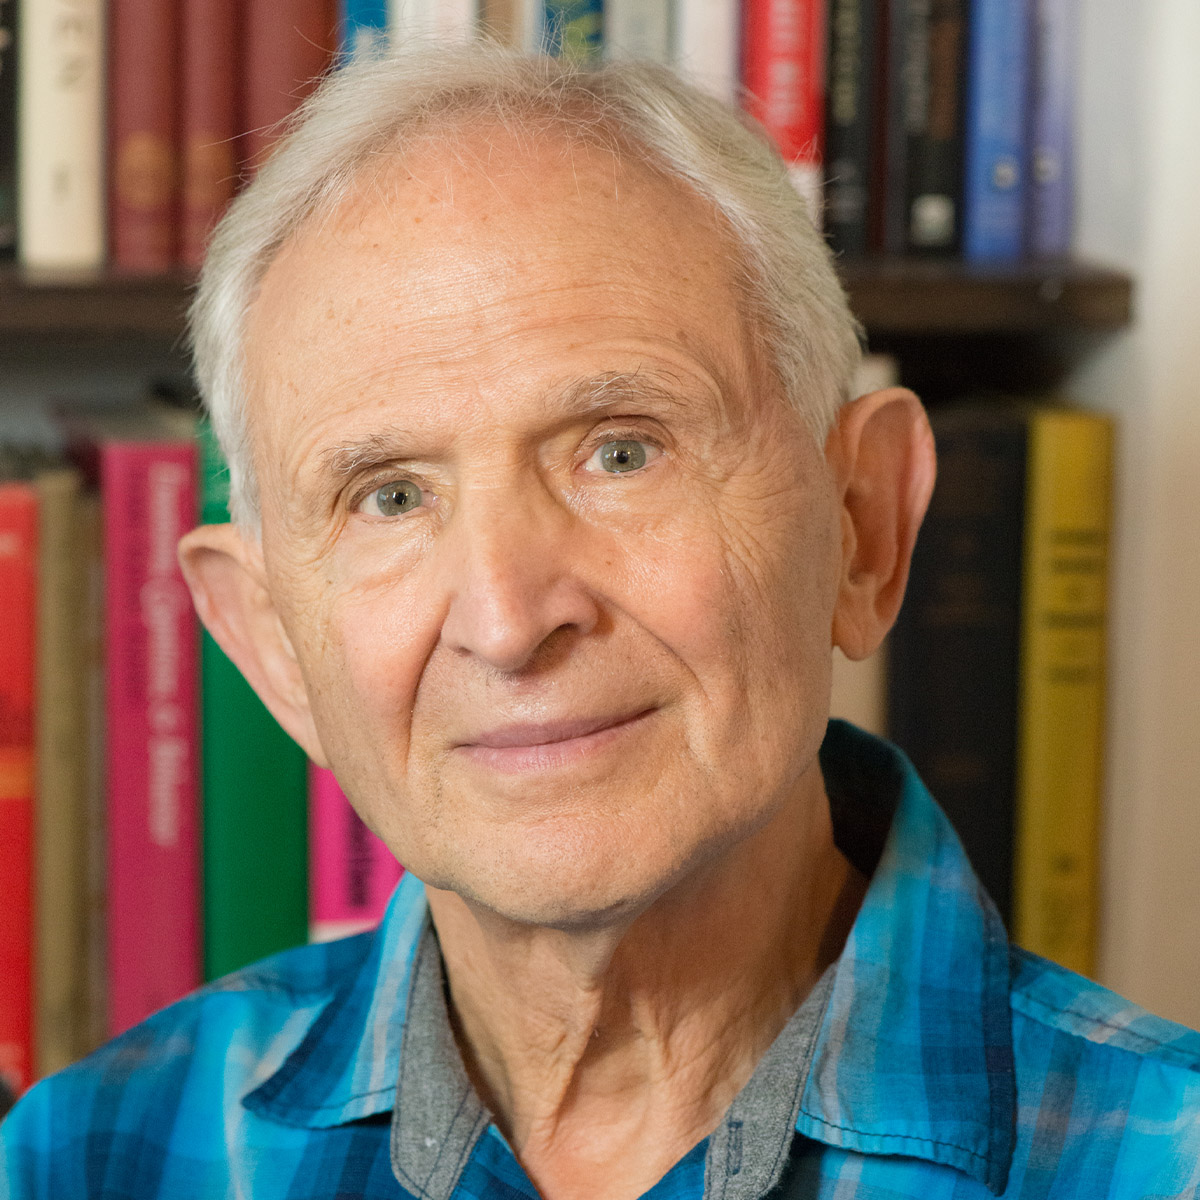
{"points": [[579, 398]]}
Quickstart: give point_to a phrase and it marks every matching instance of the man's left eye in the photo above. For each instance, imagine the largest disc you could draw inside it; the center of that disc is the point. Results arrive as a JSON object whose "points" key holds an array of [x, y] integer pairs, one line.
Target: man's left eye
{"points": [[393, 499], [621, 456]]}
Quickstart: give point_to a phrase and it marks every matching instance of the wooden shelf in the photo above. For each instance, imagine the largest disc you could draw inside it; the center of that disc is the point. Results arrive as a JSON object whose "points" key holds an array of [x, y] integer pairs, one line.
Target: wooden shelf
{"points": [[891, 297], [931, 297]]}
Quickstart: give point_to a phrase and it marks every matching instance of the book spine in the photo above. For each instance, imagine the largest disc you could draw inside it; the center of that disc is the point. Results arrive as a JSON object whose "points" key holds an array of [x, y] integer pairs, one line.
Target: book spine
{"points": [[934, 108], [60, 140], [574, 29], [851, 112], [996, 137], [515, 23], [8, 129], [638, 29], [954, 651], [148, 491], [254, 791], [208, 120], [91, 540], [707, 47], [61, 737], [352, 871], [903, 27], [144, 173], [1052, 184], [362, 26], [783, 72], [287, 48], [18, 619], [1061, 743]]}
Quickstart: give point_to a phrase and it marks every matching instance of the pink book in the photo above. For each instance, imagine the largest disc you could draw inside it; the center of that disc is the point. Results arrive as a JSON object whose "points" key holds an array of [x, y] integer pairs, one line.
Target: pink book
{"points": [[146, 465], [351, 872]]}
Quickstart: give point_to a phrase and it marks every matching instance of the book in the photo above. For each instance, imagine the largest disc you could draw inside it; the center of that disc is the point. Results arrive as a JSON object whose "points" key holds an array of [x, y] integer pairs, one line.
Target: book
{"points": [[143, 460], [996, 131], [18, 623], [707, 38], [1052, 119], [61, 737], [352, 873], [514, 23], [996, 664], [254, 790], [854, 71], [783, 74], [932, 96], [451, 20], [638, 29], [143, 111], [208, 120], [362, 26], [573, 29], [1061, 722], [8, 129], [286, 48], [60, 137]]}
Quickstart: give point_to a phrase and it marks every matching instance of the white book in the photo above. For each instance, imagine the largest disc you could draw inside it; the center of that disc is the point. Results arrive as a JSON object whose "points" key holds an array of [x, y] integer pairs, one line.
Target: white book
{"points": [[439, 20], [60, 166], [638, 29], [707, 43]]}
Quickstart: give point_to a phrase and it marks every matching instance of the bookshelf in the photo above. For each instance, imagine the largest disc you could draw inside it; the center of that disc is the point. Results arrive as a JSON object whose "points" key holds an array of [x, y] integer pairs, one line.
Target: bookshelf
{"points": [[899, 297]]}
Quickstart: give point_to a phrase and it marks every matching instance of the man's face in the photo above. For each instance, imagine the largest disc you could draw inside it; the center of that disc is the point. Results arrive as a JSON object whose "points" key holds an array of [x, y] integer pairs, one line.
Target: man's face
{"points": [[556, 561]]}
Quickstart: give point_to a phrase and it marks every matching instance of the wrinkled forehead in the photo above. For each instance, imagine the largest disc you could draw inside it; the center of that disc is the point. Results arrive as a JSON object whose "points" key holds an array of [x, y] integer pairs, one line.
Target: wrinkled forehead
{"points": [[480, 237]]}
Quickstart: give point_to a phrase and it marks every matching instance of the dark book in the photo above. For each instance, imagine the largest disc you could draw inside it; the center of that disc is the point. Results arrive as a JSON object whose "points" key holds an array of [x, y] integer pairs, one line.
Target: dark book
{"points": [[144, 170], [8, 129], [851, 115], [954, 652], [934, 109]]}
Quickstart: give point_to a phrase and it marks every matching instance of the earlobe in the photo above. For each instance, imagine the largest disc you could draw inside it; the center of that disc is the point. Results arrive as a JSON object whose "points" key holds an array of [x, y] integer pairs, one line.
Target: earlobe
{"points": [[882, 454], [225, 572]]}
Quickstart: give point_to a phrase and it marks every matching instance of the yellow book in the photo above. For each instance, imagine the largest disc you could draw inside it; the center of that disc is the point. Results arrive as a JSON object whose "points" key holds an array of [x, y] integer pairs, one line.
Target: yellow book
{"points": [[1061, 711]]}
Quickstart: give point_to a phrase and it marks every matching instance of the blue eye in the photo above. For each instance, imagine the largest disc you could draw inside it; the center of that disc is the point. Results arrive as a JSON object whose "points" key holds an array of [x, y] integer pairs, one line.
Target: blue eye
{"points": [[394, 498], [621, 456]]}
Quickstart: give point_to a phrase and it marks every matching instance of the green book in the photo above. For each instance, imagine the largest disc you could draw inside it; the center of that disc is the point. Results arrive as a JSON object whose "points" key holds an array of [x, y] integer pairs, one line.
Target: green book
{"points": [[254, 795]]}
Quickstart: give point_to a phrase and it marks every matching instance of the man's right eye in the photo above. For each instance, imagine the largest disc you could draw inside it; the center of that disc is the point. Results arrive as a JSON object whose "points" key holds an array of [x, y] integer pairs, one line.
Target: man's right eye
{"points": [[393, 499]]}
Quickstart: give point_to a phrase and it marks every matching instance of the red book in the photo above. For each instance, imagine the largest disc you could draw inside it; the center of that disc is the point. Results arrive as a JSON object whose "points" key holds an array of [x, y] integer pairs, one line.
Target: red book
{"points": [[287, 47], [208, 120], [143, 183], [351, 872], [146, 466], [783, 72], [18, 609]]}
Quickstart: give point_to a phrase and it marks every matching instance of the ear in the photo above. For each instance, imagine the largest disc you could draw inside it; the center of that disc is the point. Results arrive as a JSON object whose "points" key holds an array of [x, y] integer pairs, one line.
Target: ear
{"points": [[225, 571], [882, 455]]}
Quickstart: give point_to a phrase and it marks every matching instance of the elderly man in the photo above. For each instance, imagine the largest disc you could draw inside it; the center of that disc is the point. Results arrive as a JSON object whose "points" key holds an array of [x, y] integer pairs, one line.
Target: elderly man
{"points": [[550, 504]]}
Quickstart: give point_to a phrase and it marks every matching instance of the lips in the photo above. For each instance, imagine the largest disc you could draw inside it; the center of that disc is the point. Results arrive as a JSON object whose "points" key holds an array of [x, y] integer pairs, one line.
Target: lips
{"points": [[522, 736]]}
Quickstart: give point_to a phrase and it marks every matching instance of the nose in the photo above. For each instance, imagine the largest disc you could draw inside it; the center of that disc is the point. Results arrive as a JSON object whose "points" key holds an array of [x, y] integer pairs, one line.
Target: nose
{"points": [[511, 573]]}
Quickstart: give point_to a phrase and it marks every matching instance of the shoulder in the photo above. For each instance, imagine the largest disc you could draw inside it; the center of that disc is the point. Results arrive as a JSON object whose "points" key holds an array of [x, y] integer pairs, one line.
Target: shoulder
{"points": [[200, 1055], [1114, 1087]]}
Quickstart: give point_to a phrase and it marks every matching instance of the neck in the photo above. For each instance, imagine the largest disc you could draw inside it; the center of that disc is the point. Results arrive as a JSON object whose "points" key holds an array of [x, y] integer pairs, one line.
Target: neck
{"points": [[607, 1054]]}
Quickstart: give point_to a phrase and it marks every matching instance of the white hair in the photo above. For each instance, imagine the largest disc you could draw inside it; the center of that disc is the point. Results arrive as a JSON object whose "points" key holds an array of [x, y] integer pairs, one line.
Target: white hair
{"points": [[377, 108]]}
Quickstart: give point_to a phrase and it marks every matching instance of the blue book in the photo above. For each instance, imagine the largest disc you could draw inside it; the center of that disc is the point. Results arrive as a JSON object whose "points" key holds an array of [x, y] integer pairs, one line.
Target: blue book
{"points": [[996, 150], [1051, 184], [362, 24], [573, 28]]}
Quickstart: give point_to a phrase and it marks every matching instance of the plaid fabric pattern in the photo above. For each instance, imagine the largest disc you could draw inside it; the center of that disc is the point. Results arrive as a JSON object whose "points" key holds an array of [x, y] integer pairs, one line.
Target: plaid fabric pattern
{"points": [[949, 1065]]}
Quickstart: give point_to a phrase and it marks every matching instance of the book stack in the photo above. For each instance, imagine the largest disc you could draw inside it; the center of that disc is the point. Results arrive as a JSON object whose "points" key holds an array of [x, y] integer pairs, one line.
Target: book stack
{"points": [[913, 127], [153, 829]]}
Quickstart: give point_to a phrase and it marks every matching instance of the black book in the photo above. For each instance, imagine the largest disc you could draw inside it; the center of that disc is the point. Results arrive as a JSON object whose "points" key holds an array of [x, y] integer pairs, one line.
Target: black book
{"points": [[954, 654], [926, 71], [851, 117], [8, 129]]}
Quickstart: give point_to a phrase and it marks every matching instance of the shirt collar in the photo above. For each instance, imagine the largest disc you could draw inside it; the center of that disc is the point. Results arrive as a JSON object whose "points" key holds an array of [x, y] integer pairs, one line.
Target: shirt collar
{"points": [[914, 1055]]}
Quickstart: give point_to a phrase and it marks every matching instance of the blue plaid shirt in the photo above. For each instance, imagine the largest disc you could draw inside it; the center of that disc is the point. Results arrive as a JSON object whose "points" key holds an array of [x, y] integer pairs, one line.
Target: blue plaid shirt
{"points": [[947, 1064]]}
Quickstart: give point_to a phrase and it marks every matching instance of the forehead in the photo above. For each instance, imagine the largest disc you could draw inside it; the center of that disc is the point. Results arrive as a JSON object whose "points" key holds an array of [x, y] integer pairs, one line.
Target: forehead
{"points": [[471, 252]]}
